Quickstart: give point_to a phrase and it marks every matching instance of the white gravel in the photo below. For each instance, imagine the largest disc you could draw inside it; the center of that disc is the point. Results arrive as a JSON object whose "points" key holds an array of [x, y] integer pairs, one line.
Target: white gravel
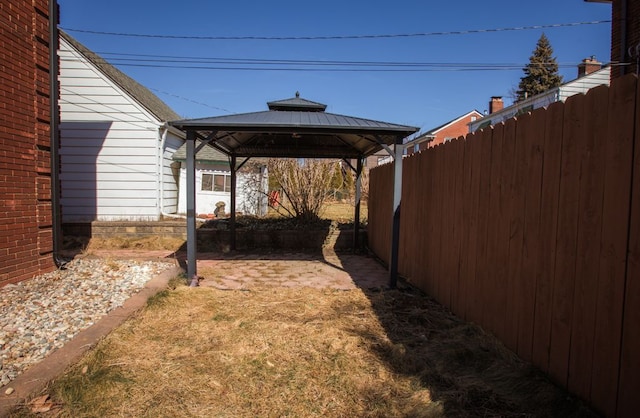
{"points": [[39, 315]]}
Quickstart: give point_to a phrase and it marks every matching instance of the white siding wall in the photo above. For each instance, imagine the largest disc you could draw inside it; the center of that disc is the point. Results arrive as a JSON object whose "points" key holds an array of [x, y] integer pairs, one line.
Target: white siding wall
{"points": [[170, 174], [205, 200], [585, 83], [248, 200], [110, 148]]}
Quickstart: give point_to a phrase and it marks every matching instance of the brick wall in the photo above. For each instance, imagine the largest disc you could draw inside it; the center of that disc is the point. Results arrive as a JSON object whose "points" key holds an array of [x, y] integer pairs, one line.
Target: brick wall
{"points": [[625, 28], [453, 131], [26, 240]]}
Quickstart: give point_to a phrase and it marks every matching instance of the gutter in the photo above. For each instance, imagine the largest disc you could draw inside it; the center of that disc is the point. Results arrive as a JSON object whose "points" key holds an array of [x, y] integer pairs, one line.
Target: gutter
{"points": [[54, 129]]}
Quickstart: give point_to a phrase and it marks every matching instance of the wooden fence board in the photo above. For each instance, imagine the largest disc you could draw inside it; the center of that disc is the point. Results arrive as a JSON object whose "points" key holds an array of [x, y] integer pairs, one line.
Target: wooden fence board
{"points": [[483, 219], [458, 146], [617, 186], [562, 308], [429, 212], [380, 212], [428, 208], [438, 193], [514, 168], [552, 155], [467, 223], [502, 284], [491, 280], [422, 183], [475, 145], [588, 244], [426, 237], [408, 219], [447, 178], [531, 134], [511, 234], [629, 386], [510, 229]]}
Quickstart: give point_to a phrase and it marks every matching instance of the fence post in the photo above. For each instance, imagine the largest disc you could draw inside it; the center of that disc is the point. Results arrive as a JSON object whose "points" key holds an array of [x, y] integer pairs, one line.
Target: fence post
{"points": [[395, 225]]}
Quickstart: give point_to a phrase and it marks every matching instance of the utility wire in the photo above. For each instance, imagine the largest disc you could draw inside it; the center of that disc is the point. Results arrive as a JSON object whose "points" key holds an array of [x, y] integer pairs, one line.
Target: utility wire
{"points": [[124, 58], [317, 66], [189, 100], [335, 37]]}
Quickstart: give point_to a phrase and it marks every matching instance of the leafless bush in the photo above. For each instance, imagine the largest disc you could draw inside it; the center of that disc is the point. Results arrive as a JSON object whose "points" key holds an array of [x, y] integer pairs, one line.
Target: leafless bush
{"points": [[305, 185]]}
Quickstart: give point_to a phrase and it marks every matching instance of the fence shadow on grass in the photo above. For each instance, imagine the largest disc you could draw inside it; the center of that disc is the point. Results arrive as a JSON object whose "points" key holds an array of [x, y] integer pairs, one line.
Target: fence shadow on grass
{"points": [[467, 371]]}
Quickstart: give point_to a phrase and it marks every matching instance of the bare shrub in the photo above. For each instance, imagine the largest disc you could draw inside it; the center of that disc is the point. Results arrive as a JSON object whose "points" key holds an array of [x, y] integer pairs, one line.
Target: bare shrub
{"points": [[305, 185]]}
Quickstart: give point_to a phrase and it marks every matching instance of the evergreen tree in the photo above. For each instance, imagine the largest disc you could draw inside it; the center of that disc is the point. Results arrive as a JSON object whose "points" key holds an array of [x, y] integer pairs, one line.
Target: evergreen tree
{"points": [[541, 74]]}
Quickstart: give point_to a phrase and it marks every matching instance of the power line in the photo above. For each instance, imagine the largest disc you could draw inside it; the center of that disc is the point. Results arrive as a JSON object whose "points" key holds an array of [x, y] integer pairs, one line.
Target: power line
{"points": [[189, 100], [116, 56], [335, 37], [309, 66]]}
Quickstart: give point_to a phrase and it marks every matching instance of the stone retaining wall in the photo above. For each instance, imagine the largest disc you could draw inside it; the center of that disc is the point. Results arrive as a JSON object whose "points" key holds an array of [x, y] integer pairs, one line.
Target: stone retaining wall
{"points": [[215, 239]]}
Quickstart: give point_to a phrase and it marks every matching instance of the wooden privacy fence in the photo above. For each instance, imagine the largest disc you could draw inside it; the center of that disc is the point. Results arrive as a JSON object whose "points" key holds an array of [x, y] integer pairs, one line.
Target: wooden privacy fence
{"points": [[531, 229]]}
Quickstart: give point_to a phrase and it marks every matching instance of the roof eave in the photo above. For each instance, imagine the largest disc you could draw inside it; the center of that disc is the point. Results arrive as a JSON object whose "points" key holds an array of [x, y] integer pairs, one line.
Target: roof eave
{"points": [[306, 129]]}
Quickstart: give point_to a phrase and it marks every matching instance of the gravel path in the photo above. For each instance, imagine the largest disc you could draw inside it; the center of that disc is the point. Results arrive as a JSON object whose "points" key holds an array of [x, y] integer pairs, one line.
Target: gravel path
{"points": [[38, 316]]}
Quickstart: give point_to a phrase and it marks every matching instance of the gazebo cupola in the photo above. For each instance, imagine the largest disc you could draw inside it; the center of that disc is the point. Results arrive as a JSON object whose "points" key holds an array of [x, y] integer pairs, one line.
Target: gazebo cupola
{"points": [[296, 104]]}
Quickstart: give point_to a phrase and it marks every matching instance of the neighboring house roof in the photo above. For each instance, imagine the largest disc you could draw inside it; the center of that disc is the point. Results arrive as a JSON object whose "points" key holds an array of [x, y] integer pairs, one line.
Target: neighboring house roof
{"points": [[453, 121], [206, 154], [429, 135], [137, 91], [579, 85]]}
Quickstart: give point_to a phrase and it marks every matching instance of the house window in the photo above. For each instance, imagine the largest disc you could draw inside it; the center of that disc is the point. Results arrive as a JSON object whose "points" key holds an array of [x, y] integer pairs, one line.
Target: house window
{"points": [[384, 160], [216, 183]]}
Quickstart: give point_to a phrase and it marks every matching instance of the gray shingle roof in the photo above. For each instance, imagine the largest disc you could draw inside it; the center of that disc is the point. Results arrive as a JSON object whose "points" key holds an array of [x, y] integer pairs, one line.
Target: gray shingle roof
{"points": [[137, 91], [208, 154]]}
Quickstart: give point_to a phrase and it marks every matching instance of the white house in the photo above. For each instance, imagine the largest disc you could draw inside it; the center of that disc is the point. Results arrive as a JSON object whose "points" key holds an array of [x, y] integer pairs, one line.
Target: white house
{"points": [[213, 183], [115, 145], [590, 74]]}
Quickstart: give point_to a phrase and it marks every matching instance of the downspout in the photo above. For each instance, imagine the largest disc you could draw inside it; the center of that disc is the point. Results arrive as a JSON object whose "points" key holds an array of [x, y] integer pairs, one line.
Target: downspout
{"points": [[623, 35], [54, 132], [159, 156]]}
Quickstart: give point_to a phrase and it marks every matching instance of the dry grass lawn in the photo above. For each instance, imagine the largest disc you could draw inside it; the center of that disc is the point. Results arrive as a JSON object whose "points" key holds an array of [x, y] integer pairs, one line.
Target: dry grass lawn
{"points": [[276, 352]]}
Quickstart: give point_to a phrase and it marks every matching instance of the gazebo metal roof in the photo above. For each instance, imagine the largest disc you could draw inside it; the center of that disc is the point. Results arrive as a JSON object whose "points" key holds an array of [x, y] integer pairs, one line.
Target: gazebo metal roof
{"points": [[292, 128], [296, 128]]}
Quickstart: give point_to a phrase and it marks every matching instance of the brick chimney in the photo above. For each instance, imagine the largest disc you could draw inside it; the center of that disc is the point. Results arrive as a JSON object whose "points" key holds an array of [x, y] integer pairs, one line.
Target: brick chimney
{"points": [[496, 104], [588, 65]]}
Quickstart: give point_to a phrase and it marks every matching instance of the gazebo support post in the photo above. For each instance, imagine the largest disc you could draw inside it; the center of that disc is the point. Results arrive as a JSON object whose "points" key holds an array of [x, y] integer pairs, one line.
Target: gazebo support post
{"points": [[395, 231], [356, 216], [233, 203], [191, 205]]}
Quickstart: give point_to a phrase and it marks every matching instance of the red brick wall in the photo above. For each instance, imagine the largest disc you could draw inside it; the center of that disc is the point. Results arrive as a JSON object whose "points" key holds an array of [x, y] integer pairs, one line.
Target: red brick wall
{"points": [[455, 130], [627, 30], [25, 170]]}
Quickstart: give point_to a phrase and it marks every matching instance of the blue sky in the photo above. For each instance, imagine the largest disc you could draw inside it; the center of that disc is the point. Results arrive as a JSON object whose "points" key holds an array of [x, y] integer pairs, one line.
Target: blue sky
{"points": [[424, 99]]}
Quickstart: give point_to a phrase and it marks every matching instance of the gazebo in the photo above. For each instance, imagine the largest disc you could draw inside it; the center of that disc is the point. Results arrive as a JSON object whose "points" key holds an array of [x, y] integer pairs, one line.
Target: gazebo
{"points": [[293, 128]]}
